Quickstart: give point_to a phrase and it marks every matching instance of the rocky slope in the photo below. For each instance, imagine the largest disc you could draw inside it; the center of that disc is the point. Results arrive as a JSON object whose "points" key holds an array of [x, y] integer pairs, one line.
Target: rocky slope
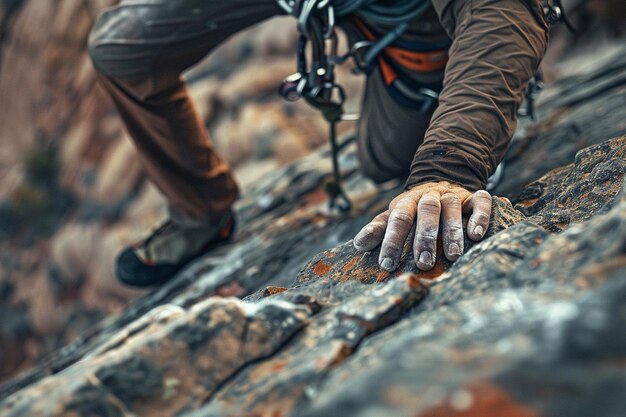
{"points": [[71, 189], [528, 322], [72, 193]]}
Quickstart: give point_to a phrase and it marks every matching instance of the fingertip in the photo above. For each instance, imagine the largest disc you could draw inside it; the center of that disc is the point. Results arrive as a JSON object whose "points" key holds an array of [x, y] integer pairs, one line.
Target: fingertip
{"points": [[474, 232], [388, 264], [363, 247], [478, 225], [482, 194], [425, 261], [454, 252], [367, 239]]}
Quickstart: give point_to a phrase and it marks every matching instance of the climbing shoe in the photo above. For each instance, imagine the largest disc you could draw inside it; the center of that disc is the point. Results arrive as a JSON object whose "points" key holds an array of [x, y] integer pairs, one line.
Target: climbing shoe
{"points": [[157, 258]]}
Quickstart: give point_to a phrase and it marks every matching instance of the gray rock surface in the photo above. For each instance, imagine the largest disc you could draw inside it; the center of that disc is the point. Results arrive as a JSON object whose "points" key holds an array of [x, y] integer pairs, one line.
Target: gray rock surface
{"points": [[527, 323]]}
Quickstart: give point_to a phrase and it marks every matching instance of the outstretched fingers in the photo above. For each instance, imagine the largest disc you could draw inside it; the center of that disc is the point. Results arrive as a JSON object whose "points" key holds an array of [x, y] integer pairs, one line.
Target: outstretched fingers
{"points": [[372, 234], [480, 205], [401, 220], [424, 210], [425, 245]]}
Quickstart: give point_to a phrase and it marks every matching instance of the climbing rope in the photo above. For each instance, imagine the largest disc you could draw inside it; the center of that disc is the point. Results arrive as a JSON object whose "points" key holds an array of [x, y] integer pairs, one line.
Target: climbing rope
{"points": [[373, 11]]}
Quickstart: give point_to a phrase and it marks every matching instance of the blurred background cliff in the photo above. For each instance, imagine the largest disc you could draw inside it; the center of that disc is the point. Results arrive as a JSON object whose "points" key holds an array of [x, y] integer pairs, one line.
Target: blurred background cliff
{"points": [[71, 190]]}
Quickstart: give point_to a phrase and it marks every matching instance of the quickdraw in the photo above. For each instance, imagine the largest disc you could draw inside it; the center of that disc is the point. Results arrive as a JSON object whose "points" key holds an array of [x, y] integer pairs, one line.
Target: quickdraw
{"points": [[315, 80]]}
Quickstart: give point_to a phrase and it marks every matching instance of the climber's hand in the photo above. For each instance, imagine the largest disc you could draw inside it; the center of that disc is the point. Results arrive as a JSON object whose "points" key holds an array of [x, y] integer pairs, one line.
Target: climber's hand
{"points": [[427, 203]]}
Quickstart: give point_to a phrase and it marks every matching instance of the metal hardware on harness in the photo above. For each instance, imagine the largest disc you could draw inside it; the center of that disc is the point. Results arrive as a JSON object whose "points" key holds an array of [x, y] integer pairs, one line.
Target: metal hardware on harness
{"points": [[535, 86], [554, 13], [315, 80]]}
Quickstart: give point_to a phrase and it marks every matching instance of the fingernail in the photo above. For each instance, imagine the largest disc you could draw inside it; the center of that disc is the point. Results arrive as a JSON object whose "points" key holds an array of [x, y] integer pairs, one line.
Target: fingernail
{"points": [[387, 264], [360, 240], [426, 258], [454, 249], [478, 230]]}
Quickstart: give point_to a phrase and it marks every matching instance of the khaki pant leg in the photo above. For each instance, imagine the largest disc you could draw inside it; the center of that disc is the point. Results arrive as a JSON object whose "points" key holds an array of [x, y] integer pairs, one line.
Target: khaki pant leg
{"points": [[140, 49], [388, 132]]}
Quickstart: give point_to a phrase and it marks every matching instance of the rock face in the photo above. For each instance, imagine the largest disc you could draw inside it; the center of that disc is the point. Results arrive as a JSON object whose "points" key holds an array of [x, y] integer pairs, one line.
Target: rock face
{"points": [[72, 192], [527, 323], [586, 116]]}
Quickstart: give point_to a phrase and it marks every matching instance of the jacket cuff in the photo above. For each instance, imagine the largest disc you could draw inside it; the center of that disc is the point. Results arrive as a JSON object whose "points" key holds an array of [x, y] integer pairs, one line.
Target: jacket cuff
{"points": [[448, 165]]}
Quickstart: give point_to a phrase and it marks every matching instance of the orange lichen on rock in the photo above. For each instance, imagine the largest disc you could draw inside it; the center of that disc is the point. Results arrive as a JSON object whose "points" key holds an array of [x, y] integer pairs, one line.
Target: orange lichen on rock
{"points": [[365, 274], [319, 196], [382, 275], [271, 290], [415, 281], [278, 366], [527, 203], [230, 290], [436, 272], [350, 264], [321, 268], [480, 399]]}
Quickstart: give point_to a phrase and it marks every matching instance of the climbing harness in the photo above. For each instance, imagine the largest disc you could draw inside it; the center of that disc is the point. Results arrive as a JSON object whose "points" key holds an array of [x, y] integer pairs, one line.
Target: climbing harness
{"points": [[314, 80], [318, 56], [409, 55]]}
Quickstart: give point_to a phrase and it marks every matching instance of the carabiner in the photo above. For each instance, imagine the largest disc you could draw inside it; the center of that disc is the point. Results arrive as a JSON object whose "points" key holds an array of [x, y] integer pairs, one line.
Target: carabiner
{"points": [[305, 14]]}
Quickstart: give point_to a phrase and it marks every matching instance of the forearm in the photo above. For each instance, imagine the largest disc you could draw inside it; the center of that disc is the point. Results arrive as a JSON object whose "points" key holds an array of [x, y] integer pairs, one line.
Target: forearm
{"points": [[497, 46]]}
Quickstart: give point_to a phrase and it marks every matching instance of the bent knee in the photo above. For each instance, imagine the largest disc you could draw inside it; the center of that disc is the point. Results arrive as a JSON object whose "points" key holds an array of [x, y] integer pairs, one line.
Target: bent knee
{"points": [[115, 45]]}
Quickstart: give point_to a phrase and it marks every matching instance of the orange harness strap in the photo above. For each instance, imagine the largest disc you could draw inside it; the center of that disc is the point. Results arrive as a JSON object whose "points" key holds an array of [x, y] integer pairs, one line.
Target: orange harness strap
{"points": [[412, 60]]}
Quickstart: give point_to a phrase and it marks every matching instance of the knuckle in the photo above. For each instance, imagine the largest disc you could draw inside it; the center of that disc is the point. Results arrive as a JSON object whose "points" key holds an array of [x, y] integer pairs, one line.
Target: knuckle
{"points": [[429, 229], [450, 198], [382, 216], [426, 239], [402, 219], [481, 218], [483, 196], [454, 237], [430, 203], [368, 230], [455, 231], [482, 193], [391, 247], [377, 224], [393, 237]]}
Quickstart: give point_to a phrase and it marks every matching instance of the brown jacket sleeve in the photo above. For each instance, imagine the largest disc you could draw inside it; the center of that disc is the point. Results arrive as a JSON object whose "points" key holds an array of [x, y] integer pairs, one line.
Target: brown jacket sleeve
{"points": [[497, 46]]}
